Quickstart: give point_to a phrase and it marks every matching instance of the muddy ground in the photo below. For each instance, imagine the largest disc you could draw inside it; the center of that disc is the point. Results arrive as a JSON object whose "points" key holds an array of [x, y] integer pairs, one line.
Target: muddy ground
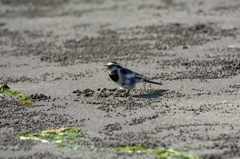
{"points": [[54, 52]]}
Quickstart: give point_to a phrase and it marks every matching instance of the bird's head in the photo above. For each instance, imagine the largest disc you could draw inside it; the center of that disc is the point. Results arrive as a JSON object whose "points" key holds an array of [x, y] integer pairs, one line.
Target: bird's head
{"points": [[111, 67]]}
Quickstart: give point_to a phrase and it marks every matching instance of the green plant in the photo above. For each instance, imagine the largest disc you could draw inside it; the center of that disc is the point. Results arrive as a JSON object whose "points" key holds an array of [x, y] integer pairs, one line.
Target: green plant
{"points": [[63, 136], [4, 89]]}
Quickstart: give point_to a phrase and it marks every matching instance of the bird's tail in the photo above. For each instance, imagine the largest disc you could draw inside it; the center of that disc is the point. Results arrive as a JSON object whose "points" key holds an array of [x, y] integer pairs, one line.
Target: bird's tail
{"points": [[152, 82]]}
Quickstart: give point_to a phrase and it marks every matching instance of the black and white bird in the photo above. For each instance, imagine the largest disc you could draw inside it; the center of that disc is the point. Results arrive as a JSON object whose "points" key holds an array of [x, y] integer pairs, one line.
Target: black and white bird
{"points": [[124, 77]]}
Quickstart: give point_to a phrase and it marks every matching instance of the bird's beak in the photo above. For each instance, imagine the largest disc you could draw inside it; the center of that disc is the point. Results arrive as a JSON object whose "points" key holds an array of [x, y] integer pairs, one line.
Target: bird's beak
{"points": [[107, 68]]}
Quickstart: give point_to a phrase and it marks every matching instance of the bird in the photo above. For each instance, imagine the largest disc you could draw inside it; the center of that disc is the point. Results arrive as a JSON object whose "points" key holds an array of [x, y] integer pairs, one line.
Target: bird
{"points": [[125, 77]]}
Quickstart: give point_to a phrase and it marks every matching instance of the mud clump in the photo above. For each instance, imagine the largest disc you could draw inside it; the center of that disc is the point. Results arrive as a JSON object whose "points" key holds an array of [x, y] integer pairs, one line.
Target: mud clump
{"points": [[108, 129], [39, 97], [101, 93], [141, 119], [85, 93]]}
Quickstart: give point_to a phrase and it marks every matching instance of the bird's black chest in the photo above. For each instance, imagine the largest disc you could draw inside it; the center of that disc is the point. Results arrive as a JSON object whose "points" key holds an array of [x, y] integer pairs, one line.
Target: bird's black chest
{"points": [[114, 76]]}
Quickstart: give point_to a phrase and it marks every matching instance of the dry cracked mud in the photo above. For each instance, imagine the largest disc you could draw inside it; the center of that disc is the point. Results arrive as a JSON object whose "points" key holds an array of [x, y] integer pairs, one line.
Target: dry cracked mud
{"points": [[54, 52]]}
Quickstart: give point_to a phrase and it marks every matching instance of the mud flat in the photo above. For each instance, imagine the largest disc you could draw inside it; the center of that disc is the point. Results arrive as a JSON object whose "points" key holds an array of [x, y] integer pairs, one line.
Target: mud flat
{"points": [[54, 52]]}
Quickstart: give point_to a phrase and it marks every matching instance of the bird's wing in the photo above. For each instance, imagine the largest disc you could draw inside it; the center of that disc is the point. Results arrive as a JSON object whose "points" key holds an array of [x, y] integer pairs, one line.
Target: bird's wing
{"points": [[126, 73], [128, 76]]}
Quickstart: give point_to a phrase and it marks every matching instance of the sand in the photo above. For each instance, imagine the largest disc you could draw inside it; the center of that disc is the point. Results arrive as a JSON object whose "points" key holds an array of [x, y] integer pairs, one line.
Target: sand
{"points": [[55, 51]]}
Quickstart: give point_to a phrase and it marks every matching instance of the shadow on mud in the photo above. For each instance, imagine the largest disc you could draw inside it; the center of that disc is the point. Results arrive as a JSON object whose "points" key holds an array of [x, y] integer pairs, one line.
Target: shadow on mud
{"points": [[155, 94]]}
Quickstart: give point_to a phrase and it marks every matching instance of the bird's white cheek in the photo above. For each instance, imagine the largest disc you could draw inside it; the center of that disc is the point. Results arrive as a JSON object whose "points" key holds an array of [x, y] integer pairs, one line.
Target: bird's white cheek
{"points": [[109, 72]]}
